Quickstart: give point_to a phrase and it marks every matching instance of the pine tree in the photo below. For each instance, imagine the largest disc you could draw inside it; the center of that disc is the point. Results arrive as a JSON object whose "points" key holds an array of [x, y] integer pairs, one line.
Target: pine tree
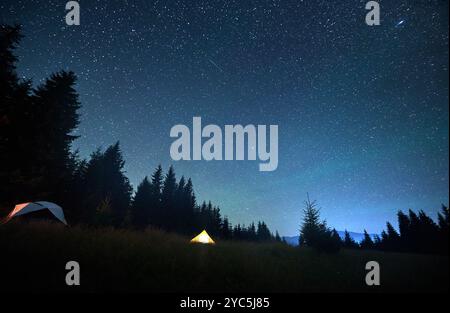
{"points": [[277, 237], [336, 241], [414, 231], [179, 218], [226, 229], [311, 227], [367, 242], [349, 242], [419, 233], [200, 217], [168, 200], [105, 179], [216, 221], [56, 107], [10, 37], [74, 212], [13, 105], [35, 131], [390, 238], [392, 233], [263, 232], [252, 233], [314, 232], [404, 225], [237, 232], [377, 242], [443, 218], [444, 230], [140, 208], [189, 207], [155, 214], [429, 234]]}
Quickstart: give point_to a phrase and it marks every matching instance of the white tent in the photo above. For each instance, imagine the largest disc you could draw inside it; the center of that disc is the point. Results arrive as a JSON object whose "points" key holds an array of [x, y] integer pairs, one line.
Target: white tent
{"points": [[24, 208]]}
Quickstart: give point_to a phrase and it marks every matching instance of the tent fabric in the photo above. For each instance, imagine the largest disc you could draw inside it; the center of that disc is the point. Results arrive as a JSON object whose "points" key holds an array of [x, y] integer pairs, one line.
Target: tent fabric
{"points": [[203, 237], [24, 208]]}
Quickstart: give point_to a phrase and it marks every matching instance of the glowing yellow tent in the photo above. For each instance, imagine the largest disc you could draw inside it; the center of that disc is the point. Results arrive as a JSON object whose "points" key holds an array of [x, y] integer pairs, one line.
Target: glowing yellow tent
{"points": [[203, 237]]}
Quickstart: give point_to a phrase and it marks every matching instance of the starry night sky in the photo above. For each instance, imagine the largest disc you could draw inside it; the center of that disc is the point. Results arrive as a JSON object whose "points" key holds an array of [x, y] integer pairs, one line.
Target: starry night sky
{"points": [[362, 111]]}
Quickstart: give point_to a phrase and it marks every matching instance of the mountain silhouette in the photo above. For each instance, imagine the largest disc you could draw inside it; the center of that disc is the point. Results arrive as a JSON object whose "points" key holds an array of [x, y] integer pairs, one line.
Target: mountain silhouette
{"points": [[293, 240]]}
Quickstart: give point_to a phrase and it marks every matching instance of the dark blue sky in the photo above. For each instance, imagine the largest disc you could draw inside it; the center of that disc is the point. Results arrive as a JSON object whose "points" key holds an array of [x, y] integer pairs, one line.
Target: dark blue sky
{"points": [[362, 111]]}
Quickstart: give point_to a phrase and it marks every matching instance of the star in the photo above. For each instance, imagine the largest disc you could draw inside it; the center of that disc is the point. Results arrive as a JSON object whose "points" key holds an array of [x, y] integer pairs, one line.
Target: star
{"points": [[401, 22]]}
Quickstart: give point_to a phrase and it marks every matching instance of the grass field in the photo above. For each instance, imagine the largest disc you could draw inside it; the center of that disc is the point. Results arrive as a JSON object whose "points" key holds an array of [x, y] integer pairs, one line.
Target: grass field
{"points": [[33, 257]]}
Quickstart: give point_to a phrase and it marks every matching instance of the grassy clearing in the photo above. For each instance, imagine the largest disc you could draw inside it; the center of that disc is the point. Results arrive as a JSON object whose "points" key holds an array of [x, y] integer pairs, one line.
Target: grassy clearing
{"points": [[33, 257]]}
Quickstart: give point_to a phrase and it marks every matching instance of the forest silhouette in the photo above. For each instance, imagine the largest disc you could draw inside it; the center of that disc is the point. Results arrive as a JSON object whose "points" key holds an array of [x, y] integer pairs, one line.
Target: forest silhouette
{"points": [[37, 162], [418, 233]]}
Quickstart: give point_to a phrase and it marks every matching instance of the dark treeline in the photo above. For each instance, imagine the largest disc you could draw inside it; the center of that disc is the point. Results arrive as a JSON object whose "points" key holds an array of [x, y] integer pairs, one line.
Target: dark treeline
{"points": [[418, 233], [37, 163]]}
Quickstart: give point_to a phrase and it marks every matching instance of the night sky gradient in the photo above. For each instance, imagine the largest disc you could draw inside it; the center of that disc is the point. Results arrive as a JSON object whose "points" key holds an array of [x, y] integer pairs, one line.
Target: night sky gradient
{"points": [[362, 111]]}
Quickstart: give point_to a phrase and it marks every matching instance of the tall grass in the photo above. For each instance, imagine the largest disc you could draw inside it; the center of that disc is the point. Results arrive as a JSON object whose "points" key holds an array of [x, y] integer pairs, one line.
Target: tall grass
{"points": [[33, 257]]}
